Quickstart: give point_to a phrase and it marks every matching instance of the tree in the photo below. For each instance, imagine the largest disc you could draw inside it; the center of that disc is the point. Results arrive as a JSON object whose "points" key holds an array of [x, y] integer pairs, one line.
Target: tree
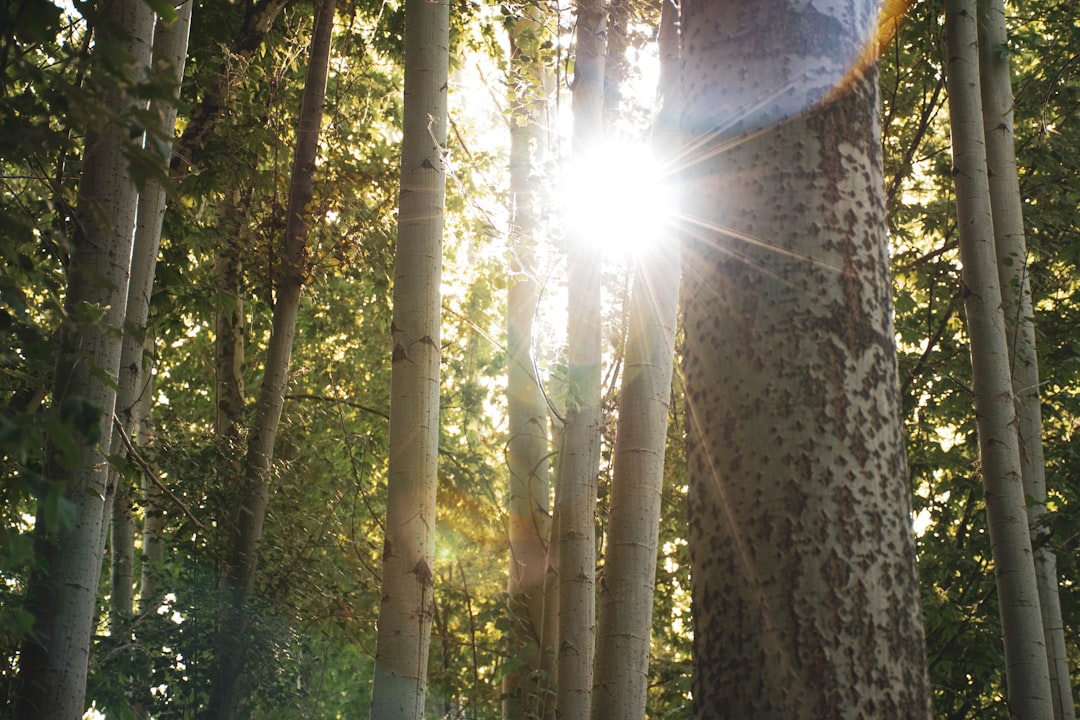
{"points": [[527, 449], [1015, 282], [800, 529], [621, 675], [579, 454], [253, 492], [62, 594], [1014, 569], [405, 609]]}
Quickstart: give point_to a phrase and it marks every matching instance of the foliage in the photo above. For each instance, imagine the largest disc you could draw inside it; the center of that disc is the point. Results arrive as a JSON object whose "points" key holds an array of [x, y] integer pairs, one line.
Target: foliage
{"points": [[318, 584]]}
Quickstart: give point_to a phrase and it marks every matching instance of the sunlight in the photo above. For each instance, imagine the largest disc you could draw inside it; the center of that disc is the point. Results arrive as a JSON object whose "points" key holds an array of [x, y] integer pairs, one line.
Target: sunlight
{"points": [[615, 198]]}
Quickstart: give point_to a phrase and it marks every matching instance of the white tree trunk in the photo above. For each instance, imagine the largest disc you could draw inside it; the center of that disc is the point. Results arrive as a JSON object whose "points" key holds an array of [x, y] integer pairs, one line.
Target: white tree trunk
{"points": [[405, 610], [170, 47], [805, 596], [528, 449], [53, 663], [1011, 246], [579, 458], [1027, 671], [621, 675]]}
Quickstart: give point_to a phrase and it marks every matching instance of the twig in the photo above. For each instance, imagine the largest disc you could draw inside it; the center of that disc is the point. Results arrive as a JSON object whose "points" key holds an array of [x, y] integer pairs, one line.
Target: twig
{"points": [[150, 473]]}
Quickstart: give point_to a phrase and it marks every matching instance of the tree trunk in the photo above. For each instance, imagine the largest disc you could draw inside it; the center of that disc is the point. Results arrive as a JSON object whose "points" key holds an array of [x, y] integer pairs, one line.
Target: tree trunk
{"points": [[805, 597], [153, 529], [1011, 249], [579, 458], [1027, 672], [409, 545], [626, 591], [527, 449], [170, 46], [253, 497], [63, 596]]}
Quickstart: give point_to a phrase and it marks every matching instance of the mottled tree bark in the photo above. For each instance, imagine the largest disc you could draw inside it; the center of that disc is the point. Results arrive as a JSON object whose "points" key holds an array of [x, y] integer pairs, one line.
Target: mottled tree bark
{"points": [[405, 609], [1026, 667], [62, 594], [1011, 247], [805, 596]]}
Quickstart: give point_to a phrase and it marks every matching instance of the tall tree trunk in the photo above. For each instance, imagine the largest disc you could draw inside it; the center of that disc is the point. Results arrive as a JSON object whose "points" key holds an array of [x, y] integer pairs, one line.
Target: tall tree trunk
{"points": [[528, 448], [409, 545], [170, 47], [626, 591], [805, 597], [153, 529], [1011, 249], [1027, 672], [243, 550], [579, 458], [63, 595]]}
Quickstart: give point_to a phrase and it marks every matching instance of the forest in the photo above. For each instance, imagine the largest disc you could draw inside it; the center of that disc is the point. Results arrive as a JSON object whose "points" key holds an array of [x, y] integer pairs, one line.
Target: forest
{"points": [[524, 359]]}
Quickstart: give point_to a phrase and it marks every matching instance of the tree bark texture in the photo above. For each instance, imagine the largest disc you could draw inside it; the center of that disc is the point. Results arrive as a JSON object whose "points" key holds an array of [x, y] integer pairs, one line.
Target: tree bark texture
{"points": [[528, 449], [1011, 248], [621, 667], [63, 595], [579, 458], [405, 609], [1027, 672], [805, 595], [253, 496]]}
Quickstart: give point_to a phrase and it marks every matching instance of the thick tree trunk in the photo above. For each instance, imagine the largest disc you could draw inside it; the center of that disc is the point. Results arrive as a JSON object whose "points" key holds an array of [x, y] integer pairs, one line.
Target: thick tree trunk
{"points": [[621, 676], [527, 449], [1027, 672], [409, 545], [63, 596], [579, 458], [1011, 248], [806, 601], [243, 550]]}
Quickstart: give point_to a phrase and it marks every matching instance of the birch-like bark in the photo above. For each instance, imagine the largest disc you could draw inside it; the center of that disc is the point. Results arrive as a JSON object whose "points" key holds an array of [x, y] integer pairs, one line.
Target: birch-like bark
{"points": [[1011, 246], [805, 596], [579, 459], [1026, 667], [253, 496], [62, 596], [405, 609], [527, 451], [621, 678], [170, 48]]}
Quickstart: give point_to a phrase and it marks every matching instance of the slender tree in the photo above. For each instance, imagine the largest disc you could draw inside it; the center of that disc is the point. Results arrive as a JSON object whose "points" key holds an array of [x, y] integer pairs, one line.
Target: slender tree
{"points": [[621, 677], [527, 450], [253, 496], [170, 53], [62, 595], [405, 610], [1011, 249], [579, 456], [1026, 667], [805, 596]]}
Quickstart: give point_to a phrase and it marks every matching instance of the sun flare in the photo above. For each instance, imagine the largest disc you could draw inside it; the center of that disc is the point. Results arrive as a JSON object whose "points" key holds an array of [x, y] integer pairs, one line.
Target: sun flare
{"points": [[615, 197]]}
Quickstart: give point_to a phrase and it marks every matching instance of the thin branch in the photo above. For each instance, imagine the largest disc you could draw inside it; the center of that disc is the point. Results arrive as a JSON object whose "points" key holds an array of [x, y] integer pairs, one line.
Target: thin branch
{"points": [[145, 466]]}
